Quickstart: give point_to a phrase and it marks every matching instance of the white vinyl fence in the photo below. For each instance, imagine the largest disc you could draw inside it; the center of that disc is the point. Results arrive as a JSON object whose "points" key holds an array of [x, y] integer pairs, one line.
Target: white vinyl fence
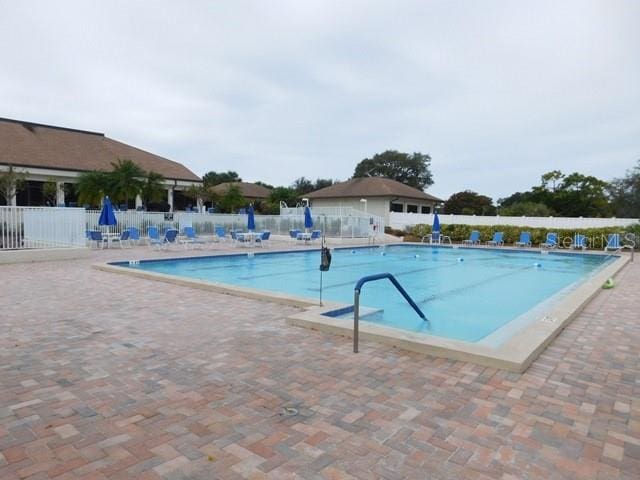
{"points": [[205, 223], [41, 227], [401, 221], [52, 227]]}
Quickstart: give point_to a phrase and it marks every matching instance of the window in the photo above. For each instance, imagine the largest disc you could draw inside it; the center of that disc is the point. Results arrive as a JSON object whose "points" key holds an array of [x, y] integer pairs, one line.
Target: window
{"points": [[412, 208], [424, 209], [396, 207]]}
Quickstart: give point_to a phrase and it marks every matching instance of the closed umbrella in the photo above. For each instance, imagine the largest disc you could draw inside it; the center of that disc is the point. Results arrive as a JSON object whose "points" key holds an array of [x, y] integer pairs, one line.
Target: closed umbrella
{"points": [[107, 217], [435, 230], [251, 220], [308, 221], [436, 223]]}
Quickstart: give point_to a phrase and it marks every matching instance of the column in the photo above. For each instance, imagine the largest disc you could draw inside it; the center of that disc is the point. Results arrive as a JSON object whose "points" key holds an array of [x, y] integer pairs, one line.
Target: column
{"points": [[59, 193], [14, 199], [138, 201], [170, 199]]}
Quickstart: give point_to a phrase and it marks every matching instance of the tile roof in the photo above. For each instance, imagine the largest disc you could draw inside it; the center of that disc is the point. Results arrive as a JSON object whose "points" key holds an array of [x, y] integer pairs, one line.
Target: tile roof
{"points": [[27, 144], [371, 187], [248, 190]]}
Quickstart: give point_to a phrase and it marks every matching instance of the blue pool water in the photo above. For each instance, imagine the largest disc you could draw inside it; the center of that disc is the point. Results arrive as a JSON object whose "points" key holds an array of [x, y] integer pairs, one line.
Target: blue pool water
{"points": [[465, 293]]}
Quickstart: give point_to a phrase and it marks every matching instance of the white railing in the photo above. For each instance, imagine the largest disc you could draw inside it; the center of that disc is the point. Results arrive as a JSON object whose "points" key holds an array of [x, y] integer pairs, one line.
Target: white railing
{"points": [[41, 227], [333, 211], [400, 221], [333, 226], [206, 223], [49, 227]]}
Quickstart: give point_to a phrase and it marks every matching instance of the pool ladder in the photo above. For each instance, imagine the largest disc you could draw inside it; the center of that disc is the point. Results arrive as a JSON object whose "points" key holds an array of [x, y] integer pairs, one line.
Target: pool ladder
{"points": [[356, 301]]}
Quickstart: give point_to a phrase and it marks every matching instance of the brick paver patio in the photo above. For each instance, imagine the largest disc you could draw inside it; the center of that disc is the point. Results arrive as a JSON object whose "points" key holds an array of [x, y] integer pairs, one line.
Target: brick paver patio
{"points": [[107, 376]]}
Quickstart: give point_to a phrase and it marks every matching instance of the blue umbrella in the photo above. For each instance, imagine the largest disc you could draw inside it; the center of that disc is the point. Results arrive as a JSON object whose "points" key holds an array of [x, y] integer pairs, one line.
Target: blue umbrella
{"points": [[436, 223], [107, 217], [251, 221], [308, 221]]}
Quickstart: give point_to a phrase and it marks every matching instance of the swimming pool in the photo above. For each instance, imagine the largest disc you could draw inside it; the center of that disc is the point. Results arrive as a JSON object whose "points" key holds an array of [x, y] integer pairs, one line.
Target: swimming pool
{"points": [[467, 294]]}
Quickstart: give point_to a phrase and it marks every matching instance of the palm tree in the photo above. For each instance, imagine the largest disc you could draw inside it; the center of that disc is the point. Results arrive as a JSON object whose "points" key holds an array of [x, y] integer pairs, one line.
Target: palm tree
{"points": [[125, 180], [91, 187], [153, 189]]}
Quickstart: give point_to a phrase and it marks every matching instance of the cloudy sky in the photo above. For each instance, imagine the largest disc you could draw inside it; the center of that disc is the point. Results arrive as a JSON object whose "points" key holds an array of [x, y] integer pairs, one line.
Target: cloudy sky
{"points": [[497, 92]]}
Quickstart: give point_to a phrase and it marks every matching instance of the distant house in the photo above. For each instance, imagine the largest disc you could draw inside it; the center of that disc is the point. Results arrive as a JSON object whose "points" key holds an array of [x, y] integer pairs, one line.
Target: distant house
{"points": [[375, 195], [250, 191], [61, 154]]}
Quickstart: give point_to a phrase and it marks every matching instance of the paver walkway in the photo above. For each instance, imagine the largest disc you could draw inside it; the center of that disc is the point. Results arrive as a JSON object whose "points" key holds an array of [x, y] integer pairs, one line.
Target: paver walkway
{"points": [[106, 376]]}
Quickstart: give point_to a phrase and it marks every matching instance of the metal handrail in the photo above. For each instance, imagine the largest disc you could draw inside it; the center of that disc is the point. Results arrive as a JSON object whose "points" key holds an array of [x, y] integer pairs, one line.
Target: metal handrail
{"points": [[356, 301]]}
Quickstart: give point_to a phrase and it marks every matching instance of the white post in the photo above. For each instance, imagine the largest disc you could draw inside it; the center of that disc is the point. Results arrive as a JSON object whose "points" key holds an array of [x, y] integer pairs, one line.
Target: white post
{"points": [[59, 193], [138, 201], [14, 200], [170, 199]]}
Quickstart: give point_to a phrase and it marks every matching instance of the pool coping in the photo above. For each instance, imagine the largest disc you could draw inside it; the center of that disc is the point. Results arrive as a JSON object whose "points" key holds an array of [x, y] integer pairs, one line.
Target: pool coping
{"points": [[515, 354]]}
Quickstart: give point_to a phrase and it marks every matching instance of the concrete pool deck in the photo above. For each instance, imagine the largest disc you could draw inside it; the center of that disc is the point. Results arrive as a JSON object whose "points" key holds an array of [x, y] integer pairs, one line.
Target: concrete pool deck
{"points": [[112, 376]]}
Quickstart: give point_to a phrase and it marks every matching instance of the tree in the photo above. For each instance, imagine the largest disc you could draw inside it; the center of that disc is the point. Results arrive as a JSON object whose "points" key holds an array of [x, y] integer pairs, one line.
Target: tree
{"points": [[50, 192], [232, 200], [91, 187], [211, 179], [302, 185], [581, 196], [323, 183], [153, 190], [469, 203], [574, 195], [125, 180], [625, 193], [263, 184], [553, 177], [410, 169], [11, 182], [277, 195], [529, 209]]}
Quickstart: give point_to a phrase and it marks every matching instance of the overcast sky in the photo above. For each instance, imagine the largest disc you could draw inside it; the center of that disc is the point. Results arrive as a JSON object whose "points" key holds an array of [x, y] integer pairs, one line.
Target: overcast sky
{"points": [[497, 92]]}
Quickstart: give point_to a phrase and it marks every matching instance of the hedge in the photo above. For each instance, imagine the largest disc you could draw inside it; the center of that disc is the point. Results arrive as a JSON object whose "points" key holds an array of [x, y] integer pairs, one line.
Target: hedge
{"points": [[595, 236]]}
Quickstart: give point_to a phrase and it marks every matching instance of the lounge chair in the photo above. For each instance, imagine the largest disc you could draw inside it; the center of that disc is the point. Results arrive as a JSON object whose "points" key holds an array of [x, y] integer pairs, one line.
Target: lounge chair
{"points": [[579, 241], [190, 238], [551, 241], [96, 236], [474, 238], [134, 235], [263, 238], [497, 240], [221, 234], [315, 235], [525, 240], [153, 236], [613, 242], [122, 239], [294, 234]]}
